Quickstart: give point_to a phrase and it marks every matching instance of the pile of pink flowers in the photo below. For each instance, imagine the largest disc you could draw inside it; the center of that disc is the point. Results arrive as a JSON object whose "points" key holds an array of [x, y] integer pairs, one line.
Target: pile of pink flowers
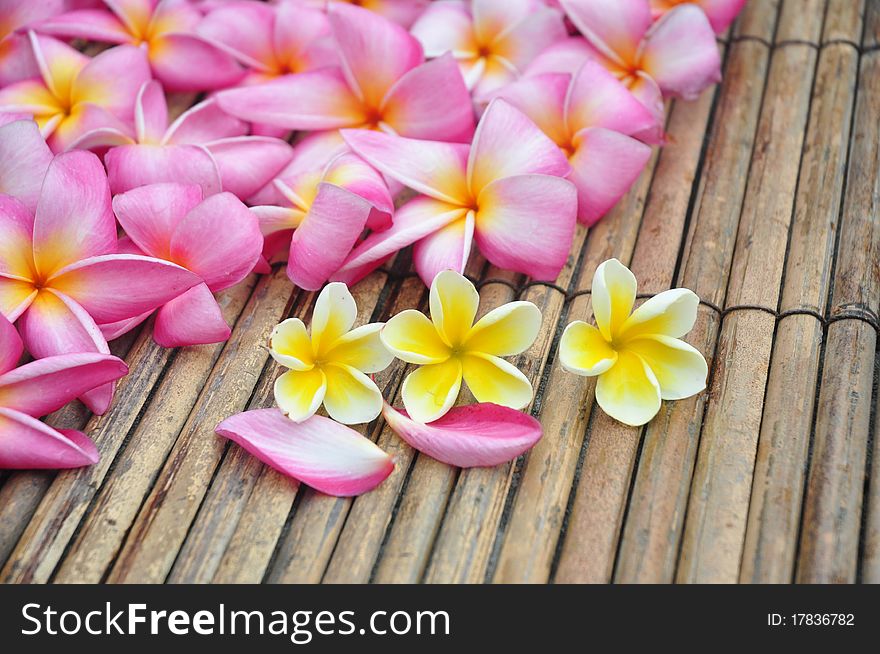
{"points": [[509, 121]]}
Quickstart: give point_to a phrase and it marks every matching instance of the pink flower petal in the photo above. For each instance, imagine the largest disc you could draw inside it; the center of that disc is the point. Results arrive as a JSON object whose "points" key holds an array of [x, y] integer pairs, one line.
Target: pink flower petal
{"points": [[114, 287], [354, 174], [113, 79], [27, 443], [203, 123], [17, 61], [244, 30], [493, 18], [55, 324], [302, 36], [73, 219], [479, 435], [565, 56], [520, 44], [185, 62], [375, 52], [130, 166], [526, 223], [219, 240], [320, 452], [59, 63], [91, 126], [322, 242], [604, 167], [615, 27], [433, 168], [542, 99], [646, 91], [11, 347], [151, 113], [315, 100], [87, 24], [446, 249], [45, 385], [431, 102], [24, 158], [413, 221], [597, 99], [248, 163], [16, 235], [114, 330], [681, 54], [150, 215], [507, 143], [446, 27], [193, 318], [721, 13]]}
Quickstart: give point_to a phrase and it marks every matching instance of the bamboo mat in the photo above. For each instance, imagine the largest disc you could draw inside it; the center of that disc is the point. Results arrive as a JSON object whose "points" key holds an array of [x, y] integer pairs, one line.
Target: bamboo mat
{"points": [[765, 202]]}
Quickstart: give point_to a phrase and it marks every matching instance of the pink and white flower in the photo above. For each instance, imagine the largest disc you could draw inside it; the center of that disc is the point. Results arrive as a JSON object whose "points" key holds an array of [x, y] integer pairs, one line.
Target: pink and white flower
{"points": [[592, 117], [164, 30], [492, 40], [382, 83], [506, 192], [38, 388], [75, 94], [60, 275], [204, 146], [24, 159], [16, 58], [217, 238], [318, 207]]}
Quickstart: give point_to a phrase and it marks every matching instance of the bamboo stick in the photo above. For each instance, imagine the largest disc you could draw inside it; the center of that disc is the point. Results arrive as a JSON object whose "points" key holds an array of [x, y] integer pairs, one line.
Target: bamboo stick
{"points": [[778, 487]]}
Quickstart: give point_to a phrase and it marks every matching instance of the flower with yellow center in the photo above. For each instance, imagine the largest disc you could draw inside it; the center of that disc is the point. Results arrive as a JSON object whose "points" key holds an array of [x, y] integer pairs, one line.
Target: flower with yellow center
{"points": [[330, 366], [449, 347], [637, 355]]}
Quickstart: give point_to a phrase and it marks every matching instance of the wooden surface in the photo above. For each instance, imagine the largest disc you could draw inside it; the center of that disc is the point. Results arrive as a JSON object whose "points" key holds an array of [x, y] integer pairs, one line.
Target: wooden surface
{"points": [[765, 202]]}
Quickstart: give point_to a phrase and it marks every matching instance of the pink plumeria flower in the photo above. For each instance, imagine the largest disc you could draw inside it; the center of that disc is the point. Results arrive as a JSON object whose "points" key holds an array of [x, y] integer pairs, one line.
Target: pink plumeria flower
{"points": [[505, 192], [719, 12], [16, 59], [217, 238], [492, 40], [329, 457], [592, 118], [402, 12], [76, 94], [165, 30], [38, 388], [677, 54], [383, 83], [24, 159], [60, 275], [271, 40], [204, 146], [328, 195]]}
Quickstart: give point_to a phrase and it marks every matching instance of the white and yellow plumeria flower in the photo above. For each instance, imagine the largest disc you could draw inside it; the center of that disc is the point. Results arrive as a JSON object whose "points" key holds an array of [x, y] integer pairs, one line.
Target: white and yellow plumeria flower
{"points": [[332, 364], [450, 346], [636, 354]]}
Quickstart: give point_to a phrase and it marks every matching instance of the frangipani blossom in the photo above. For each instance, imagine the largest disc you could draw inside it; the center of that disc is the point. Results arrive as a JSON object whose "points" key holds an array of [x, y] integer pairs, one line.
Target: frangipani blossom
{"points": [[678, 52], [204, 146], [506, 192], [477, 435], [383, 83], [16, 57], [76, 94], [492, 40], [330, 365], [217, 238], [449, 347], [637, 355], [328, 195], [60, 275], [164, 30], [271, 40], [24, 158], [592, 118], [38, 388], [329, 457], [719, 12]]}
